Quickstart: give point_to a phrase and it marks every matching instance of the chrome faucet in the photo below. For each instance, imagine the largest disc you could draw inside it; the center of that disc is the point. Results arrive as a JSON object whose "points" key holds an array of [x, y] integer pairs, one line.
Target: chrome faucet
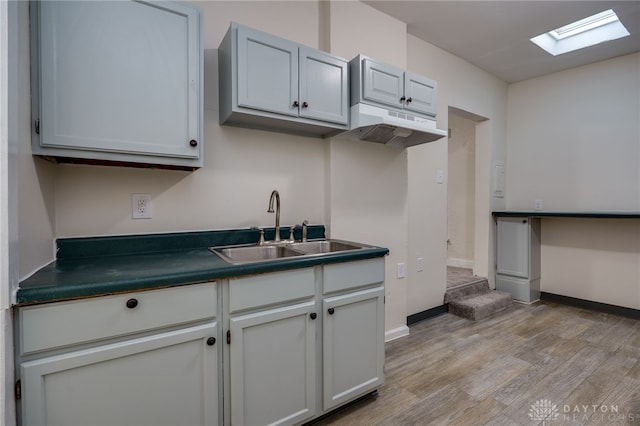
{"points": [[275, 195], [305, 224]]}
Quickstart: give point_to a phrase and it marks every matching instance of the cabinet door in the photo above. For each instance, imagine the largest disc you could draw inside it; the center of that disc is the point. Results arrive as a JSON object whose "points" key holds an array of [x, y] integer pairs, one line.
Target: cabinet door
{"points": [[513, 247], [164, 379], [120, 77], [421, 94], [267, 72], [323, 87], [353, 339], [383, 83], [273, 366]]}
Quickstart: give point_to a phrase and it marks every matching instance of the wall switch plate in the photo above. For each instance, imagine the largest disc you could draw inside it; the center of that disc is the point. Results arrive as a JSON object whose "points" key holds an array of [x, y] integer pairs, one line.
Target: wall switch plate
{"points": [[420, 264], [537, 204], [401, 270], [440, 176], [141, 206]]}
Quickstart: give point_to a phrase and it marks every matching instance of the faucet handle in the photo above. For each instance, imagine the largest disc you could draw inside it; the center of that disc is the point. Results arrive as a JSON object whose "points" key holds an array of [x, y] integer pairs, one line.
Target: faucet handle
{"points": [[305, 224], [292, 238], [261, 240]]}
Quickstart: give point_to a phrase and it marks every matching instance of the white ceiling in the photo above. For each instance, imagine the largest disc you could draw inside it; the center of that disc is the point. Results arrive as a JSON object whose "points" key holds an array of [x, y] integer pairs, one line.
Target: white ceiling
{"points": [[494, 35]]}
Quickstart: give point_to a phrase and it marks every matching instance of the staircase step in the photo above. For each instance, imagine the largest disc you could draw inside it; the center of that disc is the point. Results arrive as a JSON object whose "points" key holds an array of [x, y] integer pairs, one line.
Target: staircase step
{"points": [[467, 290], [480, 306]]}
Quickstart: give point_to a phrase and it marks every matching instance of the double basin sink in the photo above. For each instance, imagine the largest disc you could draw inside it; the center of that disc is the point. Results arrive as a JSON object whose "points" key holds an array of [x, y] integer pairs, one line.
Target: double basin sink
{"points": [[260, 253]]}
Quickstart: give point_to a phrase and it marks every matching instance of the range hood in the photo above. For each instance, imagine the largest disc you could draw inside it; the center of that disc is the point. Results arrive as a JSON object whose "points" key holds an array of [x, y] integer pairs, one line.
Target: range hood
{"points": [[375, 124]]}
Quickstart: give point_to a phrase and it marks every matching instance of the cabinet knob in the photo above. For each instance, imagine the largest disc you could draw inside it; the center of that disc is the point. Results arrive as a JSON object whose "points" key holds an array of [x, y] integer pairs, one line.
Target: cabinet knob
{"points": [[331, 311], [193, 142], [402, 99], [132, 303], [313, 315], [524, 221], [296, 104], [409, 100], [211, 341], [305, 104]]}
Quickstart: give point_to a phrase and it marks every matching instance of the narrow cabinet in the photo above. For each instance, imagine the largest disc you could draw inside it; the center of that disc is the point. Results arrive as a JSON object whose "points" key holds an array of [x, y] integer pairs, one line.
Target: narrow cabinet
{"points": [[518, 257], [267, 82], [353, 349], [118, 82]]}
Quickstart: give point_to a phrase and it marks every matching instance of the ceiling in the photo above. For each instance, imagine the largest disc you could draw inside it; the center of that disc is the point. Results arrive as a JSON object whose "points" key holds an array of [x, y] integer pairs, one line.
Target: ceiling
{"points": [[494, 35]]}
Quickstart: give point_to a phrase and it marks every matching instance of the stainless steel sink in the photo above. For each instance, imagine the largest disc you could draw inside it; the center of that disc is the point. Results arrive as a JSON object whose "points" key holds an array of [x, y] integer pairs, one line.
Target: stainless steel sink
{"points": [[254, 253], [325, 246], [248, 254]]}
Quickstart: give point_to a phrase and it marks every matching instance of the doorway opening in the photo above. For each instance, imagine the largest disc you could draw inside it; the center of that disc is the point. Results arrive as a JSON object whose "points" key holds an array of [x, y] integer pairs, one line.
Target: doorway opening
{"points": [[462, 191]]}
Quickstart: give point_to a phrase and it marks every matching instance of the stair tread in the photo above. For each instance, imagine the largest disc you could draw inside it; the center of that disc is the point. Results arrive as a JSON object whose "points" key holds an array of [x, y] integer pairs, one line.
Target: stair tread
{"points": [[481, 306], [490, 296]]}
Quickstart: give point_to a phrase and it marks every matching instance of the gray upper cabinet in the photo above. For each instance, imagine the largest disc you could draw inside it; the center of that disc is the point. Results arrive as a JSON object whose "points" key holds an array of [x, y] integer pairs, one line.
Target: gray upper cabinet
{"points": [[118, 82], [267, 72], [379, 83], [270, 83]]}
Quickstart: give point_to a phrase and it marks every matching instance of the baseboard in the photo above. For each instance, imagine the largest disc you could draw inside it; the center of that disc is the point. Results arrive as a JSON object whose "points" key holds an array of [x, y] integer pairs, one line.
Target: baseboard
{"points": [[588, 304], [396, 333], [460, 263], [429, 313]]}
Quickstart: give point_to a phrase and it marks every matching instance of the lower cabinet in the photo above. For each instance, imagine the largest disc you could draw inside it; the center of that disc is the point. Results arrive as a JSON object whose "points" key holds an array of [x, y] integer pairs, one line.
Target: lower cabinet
{"points": [[273, 366], [144, 358], [353, 345], [164, 379], [278, 348], [303, 342]]}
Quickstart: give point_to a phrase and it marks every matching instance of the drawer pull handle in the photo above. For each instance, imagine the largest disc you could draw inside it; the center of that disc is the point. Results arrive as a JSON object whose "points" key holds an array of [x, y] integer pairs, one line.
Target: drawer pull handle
{"points": [[211, 341], [331, 311], [132, 303], [313, 315]]}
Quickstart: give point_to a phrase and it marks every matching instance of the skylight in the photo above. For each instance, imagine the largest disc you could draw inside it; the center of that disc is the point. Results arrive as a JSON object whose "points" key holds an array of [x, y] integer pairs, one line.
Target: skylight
{"points": [[595, 29]]}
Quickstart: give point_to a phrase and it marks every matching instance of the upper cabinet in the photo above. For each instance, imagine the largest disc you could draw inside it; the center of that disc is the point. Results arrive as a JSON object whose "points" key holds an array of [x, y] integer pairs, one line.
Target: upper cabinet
{"points": [[378, 83], [118, 82], [270, 83]]}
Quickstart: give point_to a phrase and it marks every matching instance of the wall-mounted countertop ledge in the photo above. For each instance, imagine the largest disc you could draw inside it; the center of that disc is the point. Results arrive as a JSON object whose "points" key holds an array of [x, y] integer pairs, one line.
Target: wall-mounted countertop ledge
{"points": [[87, 267], [594, 215]]}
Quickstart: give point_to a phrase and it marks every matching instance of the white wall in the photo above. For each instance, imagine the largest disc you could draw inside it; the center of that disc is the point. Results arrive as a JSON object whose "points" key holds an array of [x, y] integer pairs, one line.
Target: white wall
{"points": [[368, 182], [461, 187], [574, 139], [470, 89], [574, 142]]}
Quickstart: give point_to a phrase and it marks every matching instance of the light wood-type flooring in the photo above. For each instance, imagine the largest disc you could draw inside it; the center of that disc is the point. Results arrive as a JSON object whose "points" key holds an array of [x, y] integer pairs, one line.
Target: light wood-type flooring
{"points": [[529, 365]]}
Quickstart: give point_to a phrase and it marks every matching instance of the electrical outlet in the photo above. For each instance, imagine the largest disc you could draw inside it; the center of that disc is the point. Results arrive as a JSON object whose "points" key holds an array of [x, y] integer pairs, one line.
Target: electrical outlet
{"points": [[401, 270], [440, 176], [420, 264], [537, 205], [141, 206]]}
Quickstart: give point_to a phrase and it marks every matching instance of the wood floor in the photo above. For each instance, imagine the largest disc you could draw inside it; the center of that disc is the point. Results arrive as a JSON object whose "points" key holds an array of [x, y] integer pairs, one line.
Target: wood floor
{"points": [[510, 369]]}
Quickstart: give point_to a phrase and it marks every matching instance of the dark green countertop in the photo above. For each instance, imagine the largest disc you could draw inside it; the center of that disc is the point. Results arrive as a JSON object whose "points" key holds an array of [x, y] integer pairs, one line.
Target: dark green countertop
{"points": [[97, 266], [594, 215]]}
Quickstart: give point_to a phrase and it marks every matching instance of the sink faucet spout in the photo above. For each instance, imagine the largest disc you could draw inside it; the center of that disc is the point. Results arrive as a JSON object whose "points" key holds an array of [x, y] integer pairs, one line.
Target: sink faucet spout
{"points": [[275, 195]]}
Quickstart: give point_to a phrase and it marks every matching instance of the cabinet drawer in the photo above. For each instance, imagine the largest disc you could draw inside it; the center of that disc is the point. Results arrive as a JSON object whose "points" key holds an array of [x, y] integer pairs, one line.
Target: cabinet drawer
{"points": [[67, 323], [344, 276], [269, 289]]}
